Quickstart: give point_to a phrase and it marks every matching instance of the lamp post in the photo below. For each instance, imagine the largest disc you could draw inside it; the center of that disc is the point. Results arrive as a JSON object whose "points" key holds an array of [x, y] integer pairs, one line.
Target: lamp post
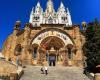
{"points": [[84, 25]]}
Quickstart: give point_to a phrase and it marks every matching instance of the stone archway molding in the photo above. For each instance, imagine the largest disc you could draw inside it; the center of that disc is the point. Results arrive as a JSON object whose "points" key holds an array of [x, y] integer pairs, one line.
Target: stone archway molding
{"points": [[52, 32]]}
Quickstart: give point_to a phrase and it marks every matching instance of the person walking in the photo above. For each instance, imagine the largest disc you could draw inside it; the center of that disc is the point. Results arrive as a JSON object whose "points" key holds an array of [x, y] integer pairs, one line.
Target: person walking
{"points": [[42, 70], [46, 70]]}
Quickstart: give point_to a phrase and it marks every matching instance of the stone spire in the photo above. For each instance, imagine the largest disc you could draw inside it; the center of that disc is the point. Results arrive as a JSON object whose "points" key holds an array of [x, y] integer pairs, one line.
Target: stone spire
{"points": [[50, 7], [62, 5], [38, 4], [61, 8], [31, 15], [38, 8], [69, 17]]}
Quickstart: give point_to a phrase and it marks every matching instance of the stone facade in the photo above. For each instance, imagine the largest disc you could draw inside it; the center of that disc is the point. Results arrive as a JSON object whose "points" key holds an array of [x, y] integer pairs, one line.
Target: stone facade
{"points": [[33, 44], [22, 43]]}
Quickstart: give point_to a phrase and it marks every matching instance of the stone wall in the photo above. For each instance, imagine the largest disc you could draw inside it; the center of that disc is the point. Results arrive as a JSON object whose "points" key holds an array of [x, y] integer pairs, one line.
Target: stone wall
{"points": [[6, 68]]}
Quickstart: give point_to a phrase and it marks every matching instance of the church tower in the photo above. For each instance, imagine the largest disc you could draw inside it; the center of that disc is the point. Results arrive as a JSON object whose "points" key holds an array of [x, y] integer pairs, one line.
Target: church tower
{"points": [[36, 15], [50, 16], [64, 16]]}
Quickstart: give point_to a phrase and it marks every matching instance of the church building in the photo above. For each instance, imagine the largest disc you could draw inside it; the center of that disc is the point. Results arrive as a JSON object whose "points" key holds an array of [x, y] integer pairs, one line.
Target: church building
{"points": [[49, 38]]}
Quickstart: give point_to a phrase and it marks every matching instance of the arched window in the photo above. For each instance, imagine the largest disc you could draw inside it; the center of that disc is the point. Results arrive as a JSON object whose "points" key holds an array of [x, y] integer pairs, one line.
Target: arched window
{"points": [[18, 49], [36, 18], [50, 20], [64, 18]]}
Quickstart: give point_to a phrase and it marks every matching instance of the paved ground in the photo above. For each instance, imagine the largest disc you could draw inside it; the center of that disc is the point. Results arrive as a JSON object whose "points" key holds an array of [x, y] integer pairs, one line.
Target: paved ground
{"points": [[54, 73]]}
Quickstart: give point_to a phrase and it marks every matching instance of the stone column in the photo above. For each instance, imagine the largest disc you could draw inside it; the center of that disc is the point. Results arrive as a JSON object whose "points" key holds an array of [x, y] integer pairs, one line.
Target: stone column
{"points": [[35, 60], [41, 57], [79, 54], [65, 60], [38, 58], [24, 55], [25, 44], [44, 58], [31, 56]]}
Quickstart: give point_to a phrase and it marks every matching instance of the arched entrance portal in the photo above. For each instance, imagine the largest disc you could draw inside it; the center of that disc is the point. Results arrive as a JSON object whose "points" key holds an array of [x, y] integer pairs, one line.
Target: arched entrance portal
{"points": [[52, 41], [52, 47]]}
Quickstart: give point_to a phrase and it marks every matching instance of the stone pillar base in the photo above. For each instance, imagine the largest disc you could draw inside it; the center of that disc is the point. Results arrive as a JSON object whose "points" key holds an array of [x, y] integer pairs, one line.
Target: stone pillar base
{"points": [[70, 63], [65, 63], [32, 62]]}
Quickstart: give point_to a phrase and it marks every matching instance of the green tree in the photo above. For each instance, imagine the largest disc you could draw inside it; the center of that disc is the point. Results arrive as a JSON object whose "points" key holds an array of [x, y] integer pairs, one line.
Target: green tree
{"points": [[96, 24], [91, 47]]}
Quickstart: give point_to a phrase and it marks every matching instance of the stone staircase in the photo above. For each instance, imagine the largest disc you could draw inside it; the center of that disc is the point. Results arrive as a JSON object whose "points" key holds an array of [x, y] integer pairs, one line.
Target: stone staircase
{"points": [[54, 73]]}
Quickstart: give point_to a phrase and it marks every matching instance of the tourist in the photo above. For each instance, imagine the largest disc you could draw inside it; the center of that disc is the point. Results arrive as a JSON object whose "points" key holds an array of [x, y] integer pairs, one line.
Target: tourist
{"points": [[42, 70], [46, 70], [17, 61]]}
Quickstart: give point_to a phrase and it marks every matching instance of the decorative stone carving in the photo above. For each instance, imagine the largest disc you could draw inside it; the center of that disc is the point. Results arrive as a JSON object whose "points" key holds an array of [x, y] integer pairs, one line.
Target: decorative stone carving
{"points": [[41, 56]]}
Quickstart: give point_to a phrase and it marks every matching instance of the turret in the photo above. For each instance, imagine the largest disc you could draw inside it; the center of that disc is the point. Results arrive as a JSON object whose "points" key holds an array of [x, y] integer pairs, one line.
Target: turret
{"points": [[27, 27], [62, 15], [27, 31], [36, 17], [17, 27]]}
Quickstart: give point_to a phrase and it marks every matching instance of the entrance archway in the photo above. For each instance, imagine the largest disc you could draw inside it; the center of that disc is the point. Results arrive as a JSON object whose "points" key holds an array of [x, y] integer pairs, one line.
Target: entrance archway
{"points": [[52, 41], [52, 46], [65, 37]]}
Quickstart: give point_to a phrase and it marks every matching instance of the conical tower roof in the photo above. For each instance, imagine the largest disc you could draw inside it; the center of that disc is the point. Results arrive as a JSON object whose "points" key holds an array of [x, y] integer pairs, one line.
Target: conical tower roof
{"points": [[62, 7]]}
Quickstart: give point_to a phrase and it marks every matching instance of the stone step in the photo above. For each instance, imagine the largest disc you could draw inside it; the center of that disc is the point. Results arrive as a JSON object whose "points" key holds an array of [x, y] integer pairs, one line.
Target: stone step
{"points": [[54, 73]]}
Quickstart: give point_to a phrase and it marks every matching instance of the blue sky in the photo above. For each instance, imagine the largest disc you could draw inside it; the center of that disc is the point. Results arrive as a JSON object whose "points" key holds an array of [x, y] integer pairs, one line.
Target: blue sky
{"points": [[13, 10]]}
